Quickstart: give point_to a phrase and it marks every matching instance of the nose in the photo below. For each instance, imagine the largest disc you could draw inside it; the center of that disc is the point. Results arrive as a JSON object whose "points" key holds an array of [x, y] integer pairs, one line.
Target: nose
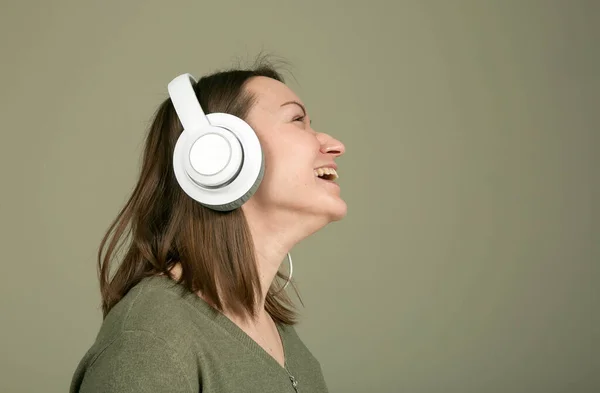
{"points": [[330, 145]]}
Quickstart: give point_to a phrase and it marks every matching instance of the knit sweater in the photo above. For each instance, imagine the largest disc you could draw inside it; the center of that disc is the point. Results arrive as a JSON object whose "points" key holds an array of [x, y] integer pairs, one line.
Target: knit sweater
{"points": [[162, 338]]}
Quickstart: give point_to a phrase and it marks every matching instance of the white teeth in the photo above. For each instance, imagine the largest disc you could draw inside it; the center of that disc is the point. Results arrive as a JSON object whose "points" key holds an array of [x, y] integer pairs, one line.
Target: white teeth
{"points": [[326, 171]]}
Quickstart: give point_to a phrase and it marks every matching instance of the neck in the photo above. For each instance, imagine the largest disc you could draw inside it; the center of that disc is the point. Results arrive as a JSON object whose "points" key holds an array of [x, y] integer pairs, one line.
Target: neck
{"points": [[274, 235]]}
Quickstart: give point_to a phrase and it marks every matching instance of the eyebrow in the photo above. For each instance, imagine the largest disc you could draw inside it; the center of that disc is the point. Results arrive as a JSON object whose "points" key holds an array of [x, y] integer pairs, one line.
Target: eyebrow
{"points": [[296, 103]]}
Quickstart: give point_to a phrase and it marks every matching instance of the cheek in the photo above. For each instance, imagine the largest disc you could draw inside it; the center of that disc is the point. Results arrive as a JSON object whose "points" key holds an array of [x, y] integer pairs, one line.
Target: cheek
{"points": [[294, 150], [287, 170], [290, 156]]}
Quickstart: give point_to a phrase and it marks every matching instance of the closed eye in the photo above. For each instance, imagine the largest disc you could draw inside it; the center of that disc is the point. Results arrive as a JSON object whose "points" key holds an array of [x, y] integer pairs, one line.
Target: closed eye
{"points": [[299, 118]]}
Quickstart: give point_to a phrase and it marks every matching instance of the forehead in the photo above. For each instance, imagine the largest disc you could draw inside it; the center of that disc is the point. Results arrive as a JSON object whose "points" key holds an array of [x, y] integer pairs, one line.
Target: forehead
{"points": [[270, 93]]}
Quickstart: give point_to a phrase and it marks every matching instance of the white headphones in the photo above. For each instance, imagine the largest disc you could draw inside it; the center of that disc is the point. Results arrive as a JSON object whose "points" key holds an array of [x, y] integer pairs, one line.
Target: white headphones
{"points": [[218, 160]]}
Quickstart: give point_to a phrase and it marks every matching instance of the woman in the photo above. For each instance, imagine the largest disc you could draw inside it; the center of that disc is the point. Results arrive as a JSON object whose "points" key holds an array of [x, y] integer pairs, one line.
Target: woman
{"points": [[194, 305]]}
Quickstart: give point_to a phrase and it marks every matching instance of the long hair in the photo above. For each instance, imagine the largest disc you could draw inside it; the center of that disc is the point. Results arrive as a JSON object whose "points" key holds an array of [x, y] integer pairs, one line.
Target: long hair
{"points": [[160, 225]]}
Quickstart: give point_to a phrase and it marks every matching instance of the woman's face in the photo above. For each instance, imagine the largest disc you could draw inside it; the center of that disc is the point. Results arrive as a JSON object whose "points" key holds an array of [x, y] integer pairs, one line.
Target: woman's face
{"points": [[293, 152]]}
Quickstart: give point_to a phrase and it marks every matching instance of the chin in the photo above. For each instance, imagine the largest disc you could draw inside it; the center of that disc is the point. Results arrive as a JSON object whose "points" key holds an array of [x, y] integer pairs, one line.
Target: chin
{"points": [[326, 212], [338, 212], [339, 216]]}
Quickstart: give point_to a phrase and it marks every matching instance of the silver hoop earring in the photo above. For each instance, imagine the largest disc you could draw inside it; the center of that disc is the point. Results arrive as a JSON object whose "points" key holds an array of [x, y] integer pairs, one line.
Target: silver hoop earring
{"points": [[289, 257]]}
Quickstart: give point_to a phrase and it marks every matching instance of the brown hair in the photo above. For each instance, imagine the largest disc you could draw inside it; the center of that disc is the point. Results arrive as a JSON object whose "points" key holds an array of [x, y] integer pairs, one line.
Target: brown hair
{"points": [[164, 226]]}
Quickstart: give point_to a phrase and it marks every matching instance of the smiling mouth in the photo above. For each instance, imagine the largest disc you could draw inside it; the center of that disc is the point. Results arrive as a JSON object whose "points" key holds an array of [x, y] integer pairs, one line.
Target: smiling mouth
{"points": [[326, 174]]}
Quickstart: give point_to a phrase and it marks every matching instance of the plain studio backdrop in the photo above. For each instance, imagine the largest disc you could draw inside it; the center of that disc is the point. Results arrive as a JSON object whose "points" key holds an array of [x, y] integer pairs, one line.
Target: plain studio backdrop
{"points": [[468, 261]]}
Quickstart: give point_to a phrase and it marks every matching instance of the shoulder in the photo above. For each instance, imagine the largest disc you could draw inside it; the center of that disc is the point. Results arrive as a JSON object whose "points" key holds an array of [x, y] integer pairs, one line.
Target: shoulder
{"points": [[144, 341], [159, 306], [134, 361]]}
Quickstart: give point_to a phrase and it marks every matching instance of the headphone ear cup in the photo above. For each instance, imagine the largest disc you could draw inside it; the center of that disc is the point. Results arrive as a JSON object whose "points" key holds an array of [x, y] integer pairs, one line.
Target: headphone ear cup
{"points": [[234, 193]]}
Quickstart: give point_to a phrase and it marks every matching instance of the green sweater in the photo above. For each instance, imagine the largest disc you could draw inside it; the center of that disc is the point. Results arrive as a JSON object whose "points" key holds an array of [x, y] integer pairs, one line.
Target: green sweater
{"points": [[155, 340]]}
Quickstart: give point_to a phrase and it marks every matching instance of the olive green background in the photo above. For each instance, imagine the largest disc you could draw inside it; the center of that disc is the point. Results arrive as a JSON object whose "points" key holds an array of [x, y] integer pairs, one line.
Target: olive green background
{"points": [[468, 261]]}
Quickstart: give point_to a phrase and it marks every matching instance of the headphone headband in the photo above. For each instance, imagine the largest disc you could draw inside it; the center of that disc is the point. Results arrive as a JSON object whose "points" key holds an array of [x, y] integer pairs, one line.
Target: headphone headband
{"points": [[186, 104]]}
